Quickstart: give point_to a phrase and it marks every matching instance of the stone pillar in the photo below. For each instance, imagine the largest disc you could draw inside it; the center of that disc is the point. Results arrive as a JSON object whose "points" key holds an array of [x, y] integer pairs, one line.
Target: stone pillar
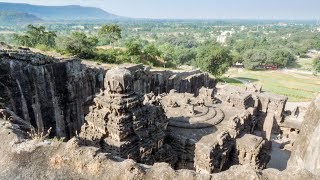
{"points": [[268, 125]]}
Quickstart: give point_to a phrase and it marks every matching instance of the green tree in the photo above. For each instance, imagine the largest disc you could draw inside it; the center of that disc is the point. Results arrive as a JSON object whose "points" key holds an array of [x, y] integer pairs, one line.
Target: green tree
{"points": [[111, 33], [243, 45], [151, 54], [81, 45], [167, 53], [281, 58], [134, 47], [107, 56], [36, 36], [152, 50], [213, 58], [237, 57], [185, 55], [316, 64], [51, 39], [254, 59], [23, 40]]}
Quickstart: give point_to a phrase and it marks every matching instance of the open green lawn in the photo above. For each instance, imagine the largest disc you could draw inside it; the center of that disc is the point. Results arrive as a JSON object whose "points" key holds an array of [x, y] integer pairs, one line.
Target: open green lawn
{"points": [[305, 64], [298, 87], [230, 81]]}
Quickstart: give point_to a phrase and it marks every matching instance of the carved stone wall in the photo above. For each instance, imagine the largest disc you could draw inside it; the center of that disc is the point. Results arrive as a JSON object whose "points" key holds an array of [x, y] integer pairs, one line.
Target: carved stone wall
{"points": [[204, 132], [252, 150], [127, 124], [267, 108], [306, 148], [158, 82], [48, 92]]}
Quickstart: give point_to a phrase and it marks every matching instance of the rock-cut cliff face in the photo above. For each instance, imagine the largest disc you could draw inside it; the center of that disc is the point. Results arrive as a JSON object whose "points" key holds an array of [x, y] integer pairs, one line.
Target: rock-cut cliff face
{"points": [[51, 93], [146, 81], [52, 159], [306, 152], [46, 92]]}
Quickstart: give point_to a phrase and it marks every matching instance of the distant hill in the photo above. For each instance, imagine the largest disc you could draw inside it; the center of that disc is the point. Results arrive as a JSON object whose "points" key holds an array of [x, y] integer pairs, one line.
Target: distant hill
{"points": [[73, 12], [12, 17]]}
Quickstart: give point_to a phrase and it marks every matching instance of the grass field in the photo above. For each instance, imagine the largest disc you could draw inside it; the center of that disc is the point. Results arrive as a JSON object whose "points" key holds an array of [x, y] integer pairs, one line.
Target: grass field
{"points": [[305, 64], [297, 86]]}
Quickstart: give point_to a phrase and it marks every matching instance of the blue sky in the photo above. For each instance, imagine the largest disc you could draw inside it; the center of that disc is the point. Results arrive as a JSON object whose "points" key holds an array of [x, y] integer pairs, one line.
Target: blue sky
{"points": [[208, 9]]}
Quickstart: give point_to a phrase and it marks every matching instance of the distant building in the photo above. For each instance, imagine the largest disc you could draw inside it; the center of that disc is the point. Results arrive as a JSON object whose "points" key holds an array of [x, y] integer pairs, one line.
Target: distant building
{"points": [[313, 53], [223, 36], [78, 27], [238, 65]]}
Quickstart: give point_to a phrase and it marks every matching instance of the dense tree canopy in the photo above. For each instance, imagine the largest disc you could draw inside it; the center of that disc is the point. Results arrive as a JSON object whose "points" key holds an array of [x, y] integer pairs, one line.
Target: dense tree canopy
{"points": [[257, 58], [281, 58], [134, 47], [171, 44], [81, 45], [213, 58], [167, 53], [35, 36], [110, 33], [316, 64], [185, 55], [253, 59], [151, 54]]}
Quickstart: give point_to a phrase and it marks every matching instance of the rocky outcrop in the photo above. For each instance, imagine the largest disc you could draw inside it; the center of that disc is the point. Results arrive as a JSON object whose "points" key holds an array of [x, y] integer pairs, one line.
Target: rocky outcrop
{"points": [[53, 93], [23, 158], [128, 118], [306, 153], [158, 82], [47, 92]]}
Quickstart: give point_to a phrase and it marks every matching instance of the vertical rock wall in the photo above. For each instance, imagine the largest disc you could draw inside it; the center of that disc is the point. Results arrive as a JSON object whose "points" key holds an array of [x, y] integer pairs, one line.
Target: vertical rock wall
{"points": [[306, 153], [146, 81], [50, 94]]}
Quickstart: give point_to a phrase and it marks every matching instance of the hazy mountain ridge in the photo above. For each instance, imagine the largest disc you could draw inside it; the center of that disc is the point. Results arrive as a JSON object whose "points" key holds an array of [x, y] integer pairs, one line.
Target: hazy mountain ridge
{"points": [[13, 17], [52, 13]]}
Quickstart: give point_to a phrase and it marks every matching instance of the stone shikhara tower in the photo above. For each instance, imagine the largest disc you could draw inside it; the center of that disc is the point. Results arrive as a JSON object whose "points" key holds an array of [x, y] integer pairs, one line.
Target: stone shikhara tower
{"points": [[191, 132], [123, 123]]}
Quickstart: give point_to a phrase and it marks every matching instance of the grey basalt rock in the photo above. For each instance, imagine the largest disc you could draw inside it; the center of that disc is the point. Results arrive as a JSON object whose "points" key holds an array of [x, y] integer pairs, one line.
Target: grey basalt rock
{"points": [[123, 123], [306, 150], [47, 92], [162, 81], [53, 93], [133, 115], [52, 159]]}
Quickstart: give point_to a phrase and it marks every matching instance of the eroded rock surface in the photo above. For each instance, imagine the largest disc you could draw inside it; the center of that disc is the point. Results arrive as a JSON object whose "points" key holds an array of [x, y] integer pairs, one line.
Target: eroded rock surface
{"points": [[204, 132], [53, 93], [125, 124], [23, 158], [46, 92], [172, 122], [147, 80], [306, 150]]}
